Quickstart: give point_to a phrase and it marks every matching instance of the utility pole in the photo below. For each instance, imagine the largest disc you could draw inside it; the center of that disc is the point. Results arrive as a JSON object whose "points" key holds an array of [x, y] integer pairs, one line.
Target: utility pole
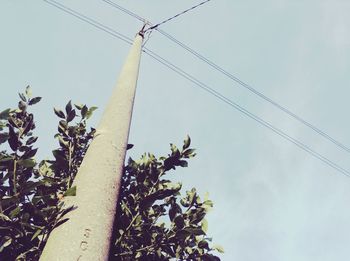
{"points": [[86, 236]]}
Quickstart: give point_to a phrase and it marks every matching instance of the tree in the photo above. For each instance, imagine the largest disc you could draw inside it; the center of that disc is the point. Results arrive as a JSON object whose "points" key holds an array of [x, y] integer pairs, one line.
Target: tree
{"points": [[153, 222]]}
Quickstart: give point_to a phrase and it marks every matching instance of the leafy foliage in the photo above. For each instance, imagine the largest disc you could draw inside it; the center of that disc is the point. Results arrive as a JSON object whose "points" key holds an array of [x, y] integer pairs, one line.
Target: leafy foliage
{"points": [[30, 193], [20, 218], [153, 222]]}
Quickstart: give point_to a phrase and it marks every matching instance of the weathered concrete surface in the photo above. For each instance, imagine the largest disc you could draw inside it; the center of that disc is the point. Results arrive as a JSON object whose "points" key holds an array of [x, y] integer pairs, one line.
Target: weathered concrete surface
{"points": [[86, 235]]}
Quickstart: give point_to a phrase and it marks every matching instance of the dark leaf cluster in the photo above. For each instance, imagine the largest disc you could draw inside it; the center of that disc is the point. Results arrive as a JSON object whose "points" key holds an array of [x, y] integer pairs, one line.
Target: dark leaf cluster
{"points": [[31, 192], [154, 221]]}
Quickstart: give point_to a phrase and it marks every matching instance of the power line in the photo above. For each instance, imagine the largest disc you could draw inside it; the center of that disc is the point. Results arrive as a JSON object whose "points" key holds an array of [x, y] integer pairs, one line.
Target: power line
{"points": [[237, 80], [125, 10], [209, 90], [175, 16], [144, 20], [253, 90], [90, 21], [246, 112]]}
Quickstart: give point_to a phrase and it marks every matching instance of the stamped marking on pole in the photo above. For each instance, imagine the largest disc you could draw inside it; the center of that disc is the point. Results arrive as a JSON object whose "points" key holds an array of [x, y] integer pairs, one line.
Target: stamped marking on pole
{"points": [[87, 232], [84, 244]]}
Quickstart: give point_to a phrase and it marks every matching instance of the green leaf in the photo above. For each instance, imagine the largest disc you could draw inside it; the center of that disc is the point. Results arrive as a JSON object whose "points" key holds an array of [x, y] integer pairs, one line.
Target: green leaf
{"points": [[34, 100], [188, 250], [198, 215], [15, 212], [189, 153], [28, 91], [29, 125], [70, 192], [12, 122], [79, 106], [31, 140], [13, 139], [30, 153], [8, 200], [170, 163], [179, 222], [204, 225], [219, 248], [22, 105], [63, 125], [5, 114], [71, 115], [23, 98], [187, 142], [183, 163], [63, 143], [203, 244], [208, 204], [30, 186], [2, 125], [4, 137], [4, 217], [169, 251], [172, 213], [27, 163], [195, 231], [59, 113], [69, 107], [5, 242], [90, 111], [61, 159], [174, 149], [36, 234], [84, 111], [182, 234]]}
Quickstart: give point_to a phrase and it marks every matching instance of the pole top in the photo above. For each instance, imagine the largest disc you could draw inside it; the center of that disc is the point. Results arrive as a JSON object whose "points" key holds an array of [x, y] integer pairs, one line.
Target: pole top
{"points": [[142, 31]]}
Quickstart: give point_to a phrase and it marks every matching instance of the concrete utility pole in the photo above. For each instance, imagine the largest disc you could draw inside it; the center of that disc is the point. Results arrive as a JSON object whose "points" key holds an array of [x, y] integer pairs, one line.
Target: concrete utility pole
{"points": [[87, 234]]}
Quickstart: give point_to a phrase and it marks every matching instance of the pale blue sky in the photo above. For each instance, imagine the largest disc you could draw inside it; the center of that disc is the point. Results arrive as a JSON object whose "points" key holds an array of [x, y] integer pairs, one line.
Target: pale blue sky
{"points": [[273, 201]]}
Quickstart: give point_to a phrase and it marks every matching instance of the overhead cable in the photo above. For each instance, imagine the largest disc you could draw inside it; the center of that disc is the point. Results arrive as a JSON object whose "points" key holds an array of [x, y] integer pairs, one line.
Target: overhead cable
{"points": [[256, 118], [237, 80], [208, 89], [89, 21], [175, 16]]}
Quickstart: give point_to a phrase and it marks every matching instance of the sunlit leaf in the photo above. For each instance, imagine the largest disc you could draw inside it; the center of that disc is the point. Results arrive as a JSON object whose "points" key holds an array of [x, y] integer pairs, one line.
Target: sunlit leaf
{"points": [[4, 217], [28, 92], [187, 142], [59, 113], [5, 114], [219, 248], [90, 111], [5, 242], [27, 163], [15, 212], [71, 192], [204, 225], [36, 234]]}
